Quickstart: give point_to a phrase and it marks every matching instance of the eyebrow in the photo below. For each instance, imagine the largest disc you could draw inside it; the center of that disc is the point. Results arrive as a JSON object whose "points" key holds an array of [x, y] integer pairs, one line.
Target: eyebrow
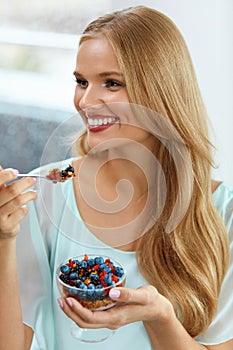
{"points": [[102, 75]]}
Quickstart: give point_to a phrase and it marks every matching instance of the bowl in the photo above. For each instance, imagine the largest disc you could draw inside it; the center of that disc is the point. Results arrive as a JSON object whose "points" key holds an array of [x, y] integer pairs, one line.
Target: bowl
{"points": [[89, 279]]}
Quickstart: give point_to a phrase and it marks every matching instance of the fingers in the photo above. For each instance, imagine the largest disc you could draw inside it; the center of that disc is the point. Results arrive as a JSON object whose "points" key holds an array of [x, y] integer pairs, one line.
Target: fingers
{"points": [[13, 190], [142, 304], [14, 211], [17, 202], [7, 175], [83, 317], [112, 318], [13, 199]]}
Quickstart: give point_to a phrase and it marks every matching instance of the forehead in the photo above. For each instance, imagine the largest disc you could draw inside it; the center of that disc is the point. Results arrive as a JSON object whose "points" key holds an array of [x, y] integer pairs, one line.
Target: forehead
{"points": [[96, 51]]}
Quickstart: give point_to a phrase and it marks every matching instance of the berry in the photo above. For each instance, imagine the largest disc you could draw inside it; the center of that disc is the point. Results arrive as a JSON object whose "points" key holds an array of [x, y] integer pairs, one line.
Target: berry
{"points": [[90, 289], [99, 260], [83, 264], [78, 283], [119, 271], [73, 275], [91, 262], [91, 276], [65, 269], [99, 289]]}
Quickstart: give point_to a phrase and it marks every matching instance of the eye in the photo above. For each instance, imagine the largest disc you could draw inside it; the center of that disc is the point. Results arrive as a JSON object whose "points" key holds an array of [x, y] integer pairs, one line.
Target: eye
{"points": [[81, 82], [112, 84]]}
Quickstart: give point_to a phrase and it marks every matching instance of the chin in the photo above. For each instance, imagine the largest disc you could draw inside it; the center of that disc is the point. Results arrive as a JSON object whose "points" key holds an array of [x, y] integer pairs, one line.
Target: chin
{"points": [[98, 145]]}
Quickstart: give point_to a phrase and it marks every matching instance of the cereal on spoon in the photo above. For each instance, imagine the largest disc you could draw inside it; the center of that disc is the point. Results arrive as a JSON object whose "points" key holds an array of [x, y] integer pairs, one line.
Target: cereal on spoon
{"points": [[58, 175]]}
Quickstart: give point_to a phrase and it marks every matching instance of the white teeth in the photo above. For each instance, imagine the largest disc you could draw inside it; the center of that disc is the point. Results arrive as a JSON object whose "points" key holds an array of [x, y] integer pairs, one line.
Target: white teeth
{"points": [[105, 121]]}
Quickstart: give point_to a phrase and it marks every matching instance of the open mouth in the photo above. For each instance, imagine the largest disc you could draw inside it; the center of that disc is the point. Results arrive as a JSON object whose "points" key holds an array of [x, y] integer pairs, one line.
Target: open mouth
{"points": [[100, 124]]}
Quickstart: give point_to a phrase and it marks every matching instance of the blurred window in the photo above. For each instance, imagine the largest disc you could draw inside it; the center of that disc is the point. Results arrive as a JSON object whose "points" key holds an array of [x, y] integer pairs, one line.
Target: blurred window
{"points": [[38, 44]]}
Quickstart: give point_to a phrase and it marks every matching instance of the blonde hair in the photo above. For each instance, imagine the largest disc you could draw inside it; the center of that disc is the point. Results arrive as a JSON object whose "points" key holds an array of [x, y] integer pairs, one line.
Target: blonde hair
{"points": [[188, 265]]}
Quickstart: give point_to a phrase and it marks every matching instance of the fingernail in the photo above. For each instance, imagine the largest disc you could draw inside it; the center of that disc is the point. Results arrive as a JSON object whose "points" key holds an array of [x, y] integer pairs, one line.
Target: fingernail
{"points": [[35, 179], [114, 293], [60, 303], [69, 302], [15, 172]]}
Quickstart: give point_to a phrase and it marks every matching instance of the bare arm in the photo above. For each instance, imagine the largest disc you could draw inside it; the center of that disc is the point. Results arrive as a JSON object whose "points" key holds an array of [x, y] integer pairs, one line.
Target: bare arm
{"points": [[28, 334], [13, 198]]}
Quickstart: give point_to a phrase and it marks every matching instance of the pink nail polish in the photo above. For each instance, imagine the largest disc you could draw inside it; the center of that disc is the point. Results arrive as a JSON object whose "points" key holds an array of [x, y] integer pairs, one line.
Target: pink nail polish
{"points": [[60, 303], [69, 302], [114, 293], [15, 172]]}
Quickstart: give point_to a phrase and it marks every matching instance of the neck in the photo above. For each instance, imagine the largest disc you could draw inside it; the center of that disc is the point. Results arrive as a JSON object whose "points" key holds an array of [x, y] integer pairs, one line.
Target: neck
{"points": [[131, 161]]}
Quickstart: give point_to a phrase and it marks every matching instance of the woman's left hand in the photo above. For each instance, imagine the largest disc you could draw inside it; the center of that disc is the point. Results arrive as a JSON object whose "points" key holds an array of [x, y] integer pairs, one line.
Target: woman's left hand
{"points": [[142, 304]]}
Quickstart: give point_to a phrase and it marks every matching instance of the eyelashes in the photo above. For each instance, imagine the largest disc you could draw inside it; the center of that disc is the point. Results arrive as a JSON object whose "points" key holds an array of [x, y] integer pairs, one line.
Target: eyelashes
{"points": [[110, 84], [81, 82]]}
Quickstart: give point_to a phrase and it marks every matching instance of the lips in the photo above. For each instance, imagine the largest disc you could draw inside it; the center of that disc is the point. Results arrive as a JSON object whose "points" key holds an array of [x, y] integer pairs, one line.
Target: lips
{"points": [[100, 123]]}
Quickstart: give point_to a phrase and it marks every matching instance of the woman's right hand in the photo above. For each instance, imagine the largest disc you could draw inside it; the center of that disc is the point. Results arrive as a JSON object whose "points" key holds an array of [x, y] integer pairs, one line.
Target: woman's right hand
{"points": [[13, 199]]}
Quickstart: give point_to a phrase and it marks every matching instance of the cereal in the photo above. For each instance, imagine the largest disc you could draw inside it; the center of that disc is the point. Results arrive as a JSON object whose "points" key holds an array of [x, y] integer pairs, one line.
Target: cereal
{"points": [[61, 175], [89, 280]]}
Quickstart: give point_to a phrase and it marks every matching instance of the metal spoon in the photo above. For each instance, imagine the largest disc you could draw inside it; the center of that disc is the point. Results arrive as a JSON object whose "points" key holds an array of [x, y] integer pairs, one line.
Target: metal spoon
{"points": [[39, 176]]}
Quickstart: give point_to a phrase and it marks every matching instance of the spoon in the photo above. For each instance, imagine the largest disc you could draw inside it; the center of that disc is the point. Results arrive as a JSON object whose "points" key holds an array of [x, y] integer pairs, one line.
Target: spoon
{"points": [[55, 175], [39, 176]]}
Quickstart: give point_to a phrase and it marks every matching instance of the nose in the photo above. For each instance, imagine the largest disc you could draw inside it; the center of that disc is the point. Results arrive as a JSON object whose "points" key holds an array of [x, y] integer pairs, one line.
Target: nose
{"points": [[87, 98]]}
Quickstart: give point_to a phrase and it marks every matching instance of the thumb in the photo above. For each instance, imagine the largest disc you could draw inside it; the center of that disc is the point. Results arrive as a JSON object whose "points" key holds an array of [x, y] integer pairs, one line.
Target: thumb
{"points": [[128, 295]]}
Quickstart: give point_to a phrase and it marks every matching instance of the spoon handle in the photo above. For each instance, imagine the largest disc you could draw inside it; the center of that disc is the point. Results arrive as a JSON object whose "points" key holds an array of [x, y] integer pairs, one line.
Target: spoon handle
{"points": [[31, 175]]}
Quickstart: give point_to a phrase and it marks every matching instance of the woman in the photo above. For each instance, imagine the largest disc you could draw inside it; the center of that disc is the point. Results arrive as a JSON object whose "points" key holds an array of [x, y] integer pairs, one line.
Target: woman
{"points": [[145, 122]]}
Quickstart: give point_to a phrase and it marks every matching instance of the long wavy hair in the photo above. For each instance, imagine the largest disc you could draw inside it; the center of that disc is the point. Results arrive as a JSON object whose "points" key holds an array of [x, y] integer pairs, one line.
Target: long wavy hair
{"points": [[188, 265]]}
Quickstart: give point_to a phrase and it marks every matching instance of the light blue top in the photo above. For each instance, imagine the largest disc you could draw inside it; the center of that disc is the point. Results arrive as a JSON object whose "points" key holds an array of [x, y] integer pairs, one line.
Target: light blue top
{"points": [[53, 232]]}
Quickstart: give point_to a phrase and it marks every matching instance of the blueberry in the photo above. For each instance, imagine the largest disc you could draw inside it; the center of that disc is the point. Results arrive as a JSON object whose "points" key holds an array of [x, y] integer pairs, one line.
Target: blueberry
{"points": [[119, 271], [63, 173], [65, 269], [94, 277], [107, 269], [99, 289], [102, 266], [90, 289], [78, 283], [83, 264], [107, 279], [99, 260], [70, 168], [73, 276], [91, 262], [77, 262], [82, 285], [111, 283]]}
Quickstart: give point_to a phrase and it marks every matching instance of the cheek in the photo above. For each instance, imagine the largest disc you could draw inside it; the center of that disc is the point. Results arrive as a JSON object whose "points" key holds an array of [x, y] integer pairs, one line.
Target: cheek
{"points": [[135, 133]]}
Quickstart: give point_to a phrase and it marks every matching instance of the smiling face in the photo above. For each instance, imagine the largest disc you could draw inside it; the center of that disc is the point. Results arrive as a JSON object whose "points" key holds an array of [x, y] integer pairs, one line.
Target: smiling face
{"points": [[101, 95]]}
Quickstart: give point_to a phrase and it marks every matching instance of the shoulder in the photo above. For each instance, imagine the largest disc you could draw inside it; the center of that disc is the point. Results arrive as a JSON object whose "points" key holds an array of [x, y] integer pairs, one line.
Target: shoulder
{"points": [[223, 200]]}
